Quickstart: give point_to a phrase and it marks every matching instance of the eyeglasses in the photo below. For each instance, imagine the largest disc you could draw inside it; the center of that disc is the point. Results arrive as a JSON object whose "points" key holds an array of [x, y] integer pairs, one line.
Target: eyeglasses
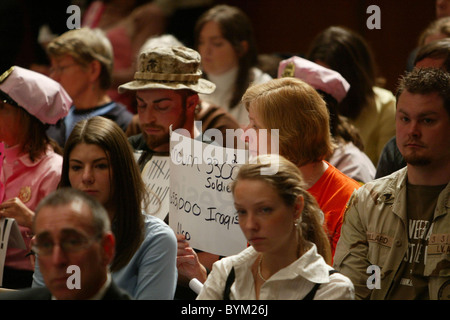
{"points": [[60, 69], [69, 245]]}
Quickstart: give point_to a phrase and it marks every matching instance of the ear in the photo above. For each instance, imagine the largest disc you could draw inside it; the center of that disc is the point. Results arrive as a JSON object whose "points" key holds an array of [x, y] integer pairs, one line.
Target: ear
{"points": [[299, 205], [95, 69], [244, 48], [109, 247], [192, 102]]}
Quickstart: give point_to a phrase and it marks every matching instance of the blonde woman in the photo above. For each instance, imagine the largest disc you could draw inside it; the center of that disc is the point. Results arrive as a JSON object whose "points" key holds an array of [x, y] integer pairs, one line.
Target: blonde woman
{"points": [[289, 254]]}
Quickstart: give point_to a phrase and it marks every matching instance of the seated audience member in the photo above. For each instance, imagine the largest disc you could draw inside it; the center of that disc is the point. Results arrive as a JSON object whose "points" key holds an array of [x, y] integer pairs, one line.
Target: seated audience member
{"points": [[211, 116], [80, 227], [437, 30], [162, 103], [370, 108], [225, 40], [31, 167], [289, 253], [82, 61], [99, 161], [348, 155], [433, 55], [401, 222], [301, 117], [303, 138]]}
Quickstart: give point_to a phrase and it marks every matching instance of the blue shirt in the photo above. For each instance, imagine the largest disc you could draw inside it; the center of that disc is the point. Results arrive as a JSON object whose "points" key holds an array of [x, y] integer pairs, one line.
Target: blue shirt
{"points": [[151, 274]]}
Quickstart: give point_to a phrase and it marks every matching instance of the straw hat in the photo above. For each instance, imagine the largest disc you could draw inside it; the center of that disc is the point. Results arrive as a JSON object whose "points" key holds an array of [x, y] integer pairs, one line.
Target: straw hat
{"points": [[173, 68]]}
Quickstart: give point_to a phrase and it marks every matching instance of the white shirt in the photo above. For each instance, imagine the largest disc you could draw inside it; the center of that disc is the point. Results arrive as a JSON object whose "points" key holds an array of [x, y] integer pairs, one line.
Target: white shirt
{"points": [[224, 92], [293, 282]]}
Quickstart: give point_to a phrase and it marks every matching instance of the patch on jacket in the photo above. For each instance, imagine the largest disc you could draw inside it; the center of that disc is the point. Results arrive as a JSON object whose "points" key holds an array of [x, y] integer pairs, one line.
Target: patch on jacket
{"points": [[439, 244], [380, 238]]}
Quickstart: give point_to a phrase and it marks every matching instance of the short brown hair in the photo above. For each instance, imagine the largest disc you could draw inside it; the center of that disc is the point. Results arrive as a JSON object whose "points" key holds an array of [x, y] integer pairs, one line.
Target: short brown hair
{"points": [[425, 81], [84, 46]]}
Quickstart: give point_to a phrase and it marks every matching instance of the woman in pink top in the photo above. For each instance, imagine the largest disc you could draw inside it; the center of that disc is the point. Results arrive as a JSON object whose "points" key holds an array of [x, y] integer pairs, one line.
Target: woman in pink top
{"points": [[31, 168]]}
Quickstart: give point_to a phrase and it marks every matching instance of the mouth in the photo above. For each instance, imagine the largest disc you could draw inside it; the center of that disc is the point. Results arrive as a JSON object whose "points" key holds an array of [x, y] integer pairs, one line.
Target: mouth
{"points": [[256, 240], [414, 145], [91, 192], [152, 130]]}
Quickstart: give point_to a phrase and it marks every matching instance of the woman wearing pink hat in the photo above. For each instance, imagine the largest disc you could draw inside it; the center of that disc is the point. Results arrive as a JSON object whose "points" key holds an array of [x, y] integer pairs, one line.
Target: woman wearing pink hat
{"points": [[31, 166]]}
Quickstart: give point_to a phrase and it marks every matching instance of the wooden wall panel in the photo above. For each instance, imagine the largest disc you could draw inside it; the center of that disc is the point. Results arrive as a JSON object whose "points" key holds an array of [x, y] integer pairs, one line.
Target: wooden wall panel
{"points": [[288, 26]]}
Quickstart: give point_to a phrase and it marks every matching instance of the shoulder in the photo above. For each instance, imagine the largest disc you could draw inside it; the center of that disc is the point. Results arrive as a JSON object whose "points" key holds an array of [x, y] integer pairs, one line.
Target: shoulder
{"points": [[26, 294], [158, 230], [260, 76], [384, 96], [340, 287], [385, 188]]}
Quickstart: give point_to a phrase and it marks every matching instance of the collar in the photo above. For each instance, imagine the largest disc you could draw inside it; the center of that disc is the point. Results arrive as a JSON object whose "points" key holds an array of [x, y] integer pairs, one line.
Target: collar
{"points": [[13, 154], [100, 294], [225, 80], [310, 266]]}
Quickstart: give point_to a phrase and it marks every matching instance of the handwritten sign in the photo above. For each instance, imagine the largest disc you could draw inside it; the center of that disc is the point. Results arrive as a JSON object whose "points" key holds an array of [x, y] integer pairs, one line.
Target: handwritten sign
{"points": [[201, 202], [156, 176], [10, 236]]}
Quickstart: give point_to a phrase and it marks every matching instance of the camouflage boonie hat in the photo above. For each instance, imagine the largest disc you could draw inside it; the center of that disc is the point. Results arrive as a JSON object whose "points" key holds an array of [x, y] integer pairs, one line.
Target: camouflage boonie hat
{"points": [[173, 68]]}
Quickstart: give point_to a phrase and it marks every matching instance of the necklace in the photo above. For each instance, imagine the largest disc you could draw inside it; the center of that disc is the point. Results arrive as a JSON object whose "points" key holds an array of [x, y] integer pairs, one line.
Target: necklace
{"points": [[259, 269]]}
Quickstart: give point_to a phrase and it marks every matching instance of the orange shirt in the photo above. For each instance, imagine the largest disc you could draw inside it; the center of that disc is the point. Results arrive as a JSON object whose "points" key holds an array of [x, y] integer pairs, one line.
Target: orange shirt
{"points": [[332, 191]]}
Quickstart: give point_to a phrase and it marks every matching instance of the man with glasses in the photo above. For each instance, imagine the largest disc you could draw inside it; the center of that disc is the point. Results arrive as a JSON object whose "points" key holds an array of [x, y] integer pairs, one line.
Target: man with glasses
{"points": [[74, 245]]}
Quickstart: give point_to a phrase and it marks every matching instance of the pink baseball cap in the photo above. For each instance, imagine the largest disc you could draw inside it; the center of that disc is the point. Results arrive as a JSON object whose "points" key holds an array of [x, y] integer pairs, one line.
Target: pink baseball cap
{"points": [[39, 95], [318, 77]]}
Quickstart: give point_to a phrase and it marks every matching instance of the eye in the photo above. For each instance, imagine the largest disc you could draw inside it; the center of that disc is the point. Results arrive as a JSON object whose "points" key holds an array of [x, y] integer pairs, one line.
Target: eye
{"points": [[102, 166], [75, 167], [428, 121], [266, 210]]}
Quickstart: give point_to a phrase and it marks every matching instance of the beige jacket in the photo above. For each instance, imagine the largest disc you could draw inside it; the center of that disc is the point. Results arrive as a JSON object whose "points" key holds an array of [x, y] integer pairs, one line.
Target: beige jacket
{"points": [[374, 232]]}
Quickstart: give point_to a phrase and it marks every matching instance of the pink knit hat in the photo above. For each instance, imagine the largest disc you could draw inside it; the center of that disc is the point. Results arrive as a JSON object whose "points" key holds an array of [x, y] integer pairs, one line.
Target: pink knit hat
{"points": [[39, 95], [318, 77]]}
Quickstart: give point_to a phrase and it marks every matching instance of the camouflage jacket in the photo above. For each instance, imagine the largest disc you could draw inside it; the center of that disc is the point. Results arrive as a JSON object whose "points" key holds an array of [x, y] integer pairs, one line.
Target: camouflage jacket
{"points": [[374, 233]]}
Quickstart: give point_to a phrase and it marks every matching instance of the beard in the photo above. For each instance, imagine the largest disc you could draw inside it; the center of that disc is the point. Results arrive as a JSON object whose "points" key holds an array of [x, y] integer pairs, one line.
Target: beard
{"points": [[155, 141], [417, 160]]}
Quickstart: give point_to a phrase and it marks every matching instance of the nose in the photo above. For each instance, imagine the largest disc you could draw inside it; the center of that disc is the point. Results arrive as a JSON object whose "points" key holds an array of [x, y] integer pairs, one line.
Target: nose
{"points": [[250, 222], [147, 115], [414, 129], [58, 255], [88, 176]]}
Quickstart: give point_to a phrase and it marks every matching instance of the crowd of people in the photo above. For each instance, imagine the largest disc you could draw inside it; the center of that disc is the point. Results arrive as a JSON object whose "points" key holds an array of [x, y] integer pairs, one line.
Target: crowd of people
{"points": [[362, 175]]}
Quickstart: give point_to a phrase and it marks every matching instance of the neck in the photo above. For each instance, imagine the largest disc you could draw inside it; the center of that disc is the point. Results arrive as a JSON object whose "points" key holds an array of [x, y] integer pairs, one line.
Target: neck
{"points": [[430, 175], [312, 172], [91, 99], [272, 262]]}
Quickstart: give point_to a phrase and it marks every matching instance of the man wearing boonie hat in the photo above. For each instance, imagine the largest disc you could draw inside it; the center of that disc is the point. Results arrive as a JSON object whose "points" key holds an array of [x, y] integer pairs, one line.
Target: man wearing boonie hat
{"points": [[348, 155], [211, 116], [29, 103], [167, 83]]}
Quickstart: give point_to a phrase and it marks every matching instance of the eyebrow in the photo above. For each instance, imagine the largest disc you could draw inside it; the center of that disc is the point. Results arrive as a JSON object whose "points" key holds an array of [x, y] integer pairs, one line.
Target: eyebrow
{"points": [[421, 114], [154, 101], [95, 160]]}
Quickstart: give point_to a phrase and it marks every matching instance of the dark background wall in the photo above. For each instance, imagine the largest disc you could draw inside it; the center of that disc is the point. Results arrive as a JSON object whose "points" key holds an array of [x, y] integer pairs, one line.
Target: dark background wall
{"points": [[288, 26]]}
